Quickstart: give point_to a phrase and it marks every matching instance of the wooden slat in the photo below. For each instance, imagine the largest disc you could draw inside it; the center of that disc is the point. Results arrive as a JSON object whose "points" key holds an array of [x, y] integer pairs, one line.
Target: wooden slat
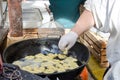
{"points": [[95, 54], [50, 32], [30, 30], [92, 44], [102, 41], [3, 34], [105, 64], [90, 49], [103, 52], [94, 39], [103, 59], [103, 44]]}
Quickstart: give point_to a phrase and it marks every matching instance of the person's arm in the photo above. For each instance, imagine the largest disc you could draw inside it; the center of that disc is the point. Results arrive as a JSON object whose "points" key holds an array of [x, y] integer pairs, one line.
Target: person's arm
{"points": [[85, 22]]}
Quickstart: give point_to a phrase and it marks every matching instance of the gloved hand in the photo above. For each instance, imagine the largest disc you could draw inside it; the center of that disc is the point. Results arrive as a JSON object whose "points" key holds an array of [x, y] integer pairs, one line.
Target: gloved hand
{"points": [[68, 40]]}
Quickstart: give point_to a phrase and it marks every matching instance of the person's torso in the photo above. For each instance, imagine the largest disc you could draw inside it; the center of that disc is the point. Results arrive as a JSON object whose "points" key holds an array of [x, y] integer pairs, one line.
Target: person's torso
{"points": [[65, 10]]}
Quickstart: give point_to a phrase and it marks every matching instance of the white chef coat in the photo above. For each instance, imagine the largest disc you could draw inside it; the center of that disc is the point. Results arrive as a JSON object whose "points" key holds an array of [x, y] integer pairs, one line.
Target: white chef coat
{"points": [[114, 72], [107, 18]]}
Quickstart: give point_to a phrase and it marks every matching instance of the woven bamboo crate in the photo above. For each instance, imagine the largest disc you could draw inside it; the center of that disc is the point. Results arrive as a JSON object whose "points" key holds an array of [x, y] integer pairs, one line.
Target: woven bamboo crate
{"points": [[96, 46]]}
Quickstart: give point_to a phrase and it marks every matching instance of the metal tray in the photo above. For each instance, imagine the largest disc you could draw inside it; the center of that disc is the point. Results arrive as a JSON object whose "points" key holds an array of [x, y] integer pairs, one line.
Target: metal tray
{"points": [[31, 14], [32, 18]]}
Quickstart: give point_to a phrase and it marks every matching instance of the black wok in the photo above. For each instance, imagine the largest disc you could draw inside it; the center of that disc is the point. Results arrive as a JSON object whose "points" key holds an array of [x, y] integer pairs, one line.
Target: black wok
{"points": [[33, 46]]}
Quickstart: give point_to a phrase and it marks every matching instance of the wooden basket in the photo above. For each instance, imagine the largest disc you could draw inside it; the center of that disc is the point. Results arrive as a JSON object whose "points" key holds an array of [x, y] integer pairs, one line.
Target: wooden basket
{"points": [[97, 47]]}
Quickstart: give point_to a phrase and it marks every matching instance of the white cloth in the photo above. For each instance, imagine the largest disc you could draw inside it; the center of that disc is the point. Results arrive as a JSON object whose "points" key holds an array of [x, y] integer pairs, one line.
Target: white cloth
{"points": [[107, 17], [114, 72], [68, 40]]}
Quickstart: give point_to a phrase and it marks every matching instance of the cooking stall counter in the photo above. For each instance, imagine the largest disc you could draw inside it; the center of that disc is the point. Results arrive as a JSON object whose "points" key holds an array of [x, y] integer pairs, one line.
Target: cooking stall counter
{"points": [[29, 33]]}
